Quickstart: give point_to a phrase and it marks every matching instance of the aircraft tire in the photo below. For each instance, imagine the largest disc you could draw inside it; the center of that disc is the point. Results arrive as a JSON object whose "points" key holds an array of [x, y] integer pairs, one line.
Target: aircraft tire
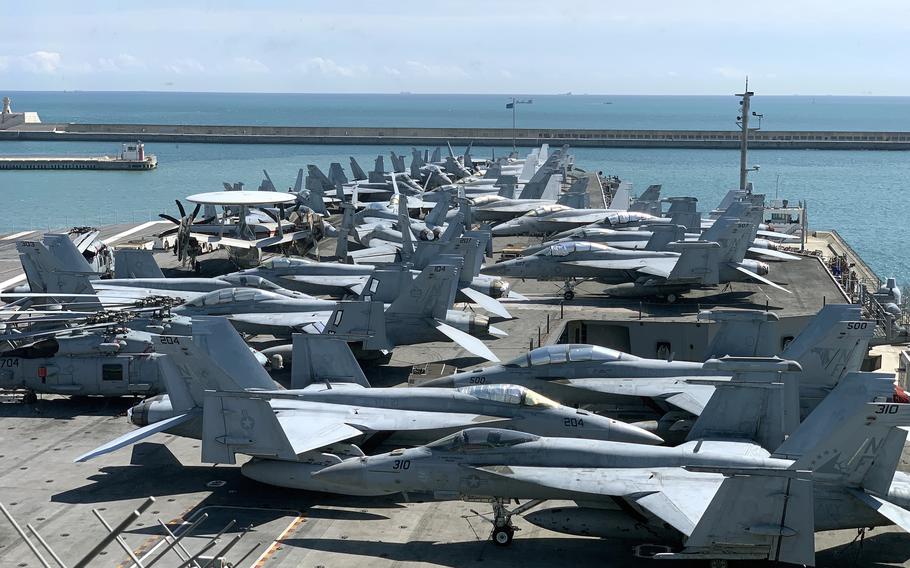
{"points": [[502, 536], [30, 397], [569, 295], [671, 298]]}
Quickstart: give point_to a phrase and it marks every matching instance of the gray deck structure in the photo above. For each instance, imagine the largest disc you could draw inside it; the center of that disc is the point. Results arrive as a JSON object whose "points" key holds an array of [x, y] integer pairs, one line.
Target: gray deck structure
{"points": [[40, 484]]}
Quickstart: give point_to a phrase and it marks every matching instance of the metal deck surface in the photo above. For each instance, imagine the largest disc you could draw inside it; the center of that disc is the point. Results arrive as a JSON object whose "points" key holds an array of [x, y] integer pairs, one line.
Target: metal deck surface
{"points": [[41, 485]]}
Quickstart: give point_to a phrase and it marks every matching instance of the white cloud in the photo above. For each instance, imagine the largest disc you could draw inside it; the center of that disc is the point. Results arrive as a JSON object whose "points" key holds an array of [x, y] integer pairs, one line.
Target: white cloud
{"points": [[249, 65], [330, 68], [433, 70], [185, 66], [41, 61], [730, 72], [122, 62], [391, 71]]}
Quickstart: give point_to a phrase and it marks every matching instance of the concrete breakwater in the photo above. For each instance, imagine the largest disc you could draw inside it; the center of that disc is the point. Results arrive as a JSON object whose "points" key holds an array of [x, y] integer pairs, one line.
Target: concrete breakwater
{"points": [[222, 134]]}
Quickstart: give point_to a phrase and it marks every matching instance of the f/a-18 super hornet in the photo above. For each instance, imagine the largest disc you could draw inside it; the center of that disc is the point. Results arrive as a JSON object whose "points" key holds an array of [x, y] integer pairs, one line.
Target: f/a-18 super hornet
{"points": [[718, 257], [658, 236], [749, 484], [419, 313], [292, 433], [832, 345], [54, 265], [340, 279]]}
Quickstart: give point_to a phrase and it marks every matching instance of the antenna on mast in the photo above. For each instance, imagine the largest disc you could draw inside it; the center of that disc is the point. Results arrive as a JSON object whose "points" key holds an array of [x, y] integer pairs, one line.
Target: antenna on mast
{"points": [[743, 121]]}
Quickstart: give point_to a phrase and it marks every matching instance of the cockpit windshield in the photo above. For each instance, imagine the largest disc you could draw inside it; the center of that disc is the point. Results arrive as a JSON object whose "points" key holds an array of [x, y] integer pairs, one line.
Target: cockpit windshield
{"points": [[568, 247], [627, 218], [283, 262], [546, 209], [550, 354], [509, 394], [474, 439], [245, 281], [230, 295]]}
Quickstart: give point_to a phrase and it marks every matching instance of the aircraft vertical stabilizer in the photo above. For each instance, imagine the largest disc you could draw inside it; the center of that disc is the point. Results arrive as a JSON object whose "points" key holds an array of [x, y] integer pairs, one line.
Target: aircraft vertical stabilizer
{"points": [[136, 263], [322, 358]]}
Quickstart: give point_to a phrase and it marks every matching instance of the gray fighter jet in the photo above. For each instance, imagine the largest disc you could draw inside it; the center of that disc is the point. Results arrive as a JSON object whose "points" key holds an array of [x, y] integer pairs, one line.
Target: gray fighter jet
{"points": [[734, 491], [419, 313], [55, 265], [832, 345], [643, 273], [290, 431]]}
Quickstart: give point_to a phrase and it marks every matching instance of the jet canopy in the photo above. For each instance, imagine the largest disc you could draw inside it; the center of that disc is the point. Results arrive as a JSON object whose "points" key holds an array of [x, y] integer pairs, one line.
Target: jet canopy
{"points": [[230, 295], [562, 353], [567, 248], [628, 218], [547, 209], [509, 394], [474, 439], [284, 262]]}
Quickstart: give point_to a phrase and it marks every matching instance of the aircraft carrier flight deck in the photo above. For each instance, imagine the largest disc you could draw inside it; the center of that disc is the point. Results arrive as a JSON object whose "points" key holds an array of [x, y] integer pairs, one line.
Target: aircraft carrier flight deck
{"points": [[40, 484]]}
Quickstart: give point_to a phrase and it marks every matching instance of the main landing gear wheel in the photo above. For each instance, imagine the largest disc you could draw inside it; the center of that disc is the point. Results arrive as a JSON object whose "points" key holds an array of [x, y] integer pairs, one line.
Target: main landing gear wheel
{"points": [[30, 397], [671, 298], [569, 295], [502, 536]]}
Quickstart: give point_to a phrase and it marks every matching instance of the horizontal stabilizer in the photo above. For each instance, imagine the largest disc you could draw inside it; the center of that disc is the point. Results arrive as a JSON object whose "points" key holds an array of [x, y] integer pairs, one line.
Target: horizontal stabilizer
{"points": [[486, 302], [777, 236], [771, 253], [761, 279], [131, 438], [467, 341], [897, 515]]}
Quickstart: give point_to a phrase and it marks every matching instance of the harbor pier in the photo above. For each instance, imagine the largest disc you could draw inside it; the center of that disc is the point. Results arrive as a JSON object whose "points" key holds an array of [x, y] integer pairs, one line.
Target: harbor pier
{"points": [[526, 137]]}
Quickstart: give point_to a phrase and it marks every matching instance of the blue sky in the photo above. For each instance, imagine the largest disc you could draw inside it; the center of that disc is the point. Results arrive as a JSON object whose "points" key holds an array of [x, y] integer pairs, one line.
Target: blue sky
{"points": [[460, 46]]}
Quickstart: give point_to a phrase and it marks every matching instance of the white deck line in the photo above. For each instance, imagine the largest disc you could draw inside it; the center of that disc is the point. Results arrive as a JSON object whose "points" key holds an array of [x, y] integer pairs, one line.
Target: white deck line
{"points": [[108, 241], [118, 236], [16, 236]]}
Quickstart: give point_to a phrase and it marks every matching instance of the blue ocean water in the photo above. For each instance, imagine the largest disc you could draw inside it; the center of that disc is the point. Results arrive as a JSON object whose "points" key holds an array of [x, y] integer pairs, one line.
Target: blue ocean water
{"points": [[546, 111], [861, 194]]}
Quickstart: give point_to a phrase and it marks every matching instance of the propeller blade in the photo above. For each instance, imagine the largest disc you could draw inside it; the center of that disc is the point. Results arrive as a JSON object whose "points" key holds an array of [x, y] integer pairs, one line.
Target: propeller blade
{"points": [[180, 207], [195, 212], [168, 232], [761, 279], [271, 215], [169, 218]]}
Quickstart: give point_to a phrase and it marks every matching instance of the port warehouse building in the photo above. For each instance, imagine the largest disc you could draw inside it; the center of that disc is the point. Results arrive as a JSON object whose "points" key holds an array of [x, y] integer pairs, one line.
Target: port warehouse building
{"points": [[782, 139]]}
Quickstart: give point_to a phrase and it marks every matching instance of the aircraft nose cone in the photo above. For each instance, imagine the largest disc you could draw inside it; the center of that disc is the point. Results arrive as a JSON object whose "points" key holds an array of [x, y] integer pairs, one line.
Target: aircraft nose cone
{"points": [[622, 432], [505, 229], [349, 473], [503, 268], [440, 382]]}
